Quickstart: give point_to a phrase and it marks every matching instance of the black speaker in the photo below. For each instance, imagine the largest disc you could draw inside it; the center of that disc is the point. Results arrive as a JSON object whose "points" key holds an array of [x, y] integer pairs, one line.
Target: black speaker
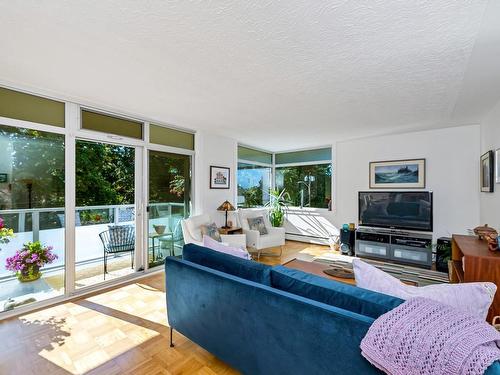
{"points": [[443, 253], [347, 239]]}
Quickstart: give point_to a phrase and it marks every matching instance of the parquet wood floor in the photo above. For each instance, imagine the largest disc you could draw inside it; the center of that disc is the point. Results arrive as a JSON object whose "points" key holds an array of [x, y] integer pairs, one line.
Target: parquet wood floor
{"points": [[122, 331]]}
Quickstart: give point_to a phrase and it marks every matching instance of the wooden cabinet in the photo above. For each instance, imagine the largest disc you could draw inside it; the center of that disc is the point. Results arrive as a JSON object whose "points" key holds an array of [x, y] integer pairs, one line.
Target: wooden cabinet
{"points": [[472, 261]]}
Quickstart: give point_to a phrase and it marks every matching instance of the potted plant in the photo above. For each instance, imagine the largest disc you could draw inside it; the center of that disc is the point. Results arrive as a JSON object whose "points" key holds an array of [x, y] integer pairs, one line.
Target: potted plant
{"points": [[278, 205], [26, 262], [5, 233]]}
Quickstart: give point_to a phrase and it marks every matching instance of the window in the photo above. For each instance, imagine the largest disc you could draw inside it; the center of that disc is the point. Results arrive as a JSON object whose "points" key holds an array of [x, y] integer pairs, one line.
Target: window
{"points": [[21, 106], [307, 176], [32, 205], [169, 203], [254, 183], [307, 185], [110, 124], [254, 177], [170, 137]]}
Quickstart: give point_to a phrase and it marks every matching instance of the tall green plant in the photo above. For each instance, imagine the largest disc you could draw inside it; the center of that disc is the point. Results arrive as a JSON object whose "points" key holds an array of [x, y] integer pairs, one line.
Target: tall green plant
{"points": [[278, 205]]}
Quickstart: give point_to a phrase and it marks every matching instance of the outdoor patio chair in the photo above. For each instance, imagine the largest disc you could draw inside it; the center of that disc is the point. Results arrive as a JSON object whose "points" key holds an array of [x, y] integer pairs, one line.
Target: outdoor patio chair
{"points": [[118, 239], [172, 239]]}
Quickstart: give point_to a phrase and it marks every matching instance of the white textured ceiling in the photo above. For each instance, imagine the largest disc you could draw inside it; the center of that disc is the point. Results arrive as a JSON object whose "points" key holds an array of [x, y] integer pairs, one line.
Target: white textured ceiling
{"points": [[274, 74]]}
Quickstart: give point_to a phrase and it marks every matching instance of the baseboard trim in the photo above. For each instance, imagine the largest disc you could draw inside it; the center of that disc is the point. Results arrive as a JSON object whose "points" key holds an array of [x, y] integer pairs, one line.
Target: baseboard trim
{"points": [[307, 239]]}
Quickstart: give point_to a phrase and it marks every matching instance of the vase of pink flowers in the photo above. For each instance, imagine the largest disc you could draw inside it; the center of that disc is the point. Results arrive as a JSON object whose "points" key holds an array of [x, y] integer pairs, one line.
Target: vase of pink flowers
{"points": [[26, 262]]}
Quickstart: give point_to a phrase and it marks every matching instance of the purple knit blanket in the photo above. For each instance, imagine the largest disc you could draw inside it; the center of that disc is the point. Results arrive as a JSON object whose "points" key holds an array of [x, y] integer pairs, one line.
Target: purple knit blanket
{"points": [[426, 337]]}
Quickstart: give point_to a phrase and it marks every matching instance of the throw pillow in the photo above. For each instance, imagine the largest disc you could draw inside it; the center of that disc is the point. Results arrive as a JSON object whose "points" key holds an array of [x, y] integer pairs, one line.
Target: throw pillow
{"points": [[474, 298], [257, 223], [211, 231], [226, 249]]}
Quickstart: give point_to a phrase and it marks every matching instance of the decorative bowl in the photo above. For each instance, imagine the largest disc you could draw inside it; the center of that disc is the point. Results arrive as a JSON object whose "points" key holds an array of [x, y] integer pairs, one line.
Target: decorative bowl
{"points": [[159, 229], [484, 231]]}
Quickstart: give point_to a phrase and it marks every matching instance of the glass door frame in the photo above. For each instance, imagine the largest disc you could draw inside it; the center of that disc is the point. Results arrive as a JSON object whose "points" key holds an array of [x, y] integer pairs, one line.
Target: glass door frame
{"points": [[76, 133], [71, 132], [145, 168]]}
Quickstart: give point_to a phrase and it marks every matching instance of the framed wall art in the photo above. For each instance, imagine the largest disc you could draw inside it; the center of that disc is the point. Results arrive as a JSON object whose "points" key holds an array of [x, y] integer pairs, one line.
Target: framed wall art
{"points": [[220, 177], [487, 171], [398, 174]]}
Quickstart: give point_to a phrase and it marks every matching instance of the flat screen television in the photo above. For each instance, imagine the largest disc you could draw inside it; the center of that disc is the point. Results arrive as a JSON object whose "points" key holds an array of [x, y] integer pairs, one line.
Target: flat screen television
{"points": [[410, 210]]}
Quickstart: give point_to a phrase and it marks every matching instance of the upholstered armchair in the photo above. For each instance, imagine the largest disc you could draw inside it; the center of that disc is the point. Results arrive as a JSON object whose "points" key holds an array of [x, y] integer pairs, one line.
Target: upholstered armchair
{"points": [[275, 237], [191, 230]]}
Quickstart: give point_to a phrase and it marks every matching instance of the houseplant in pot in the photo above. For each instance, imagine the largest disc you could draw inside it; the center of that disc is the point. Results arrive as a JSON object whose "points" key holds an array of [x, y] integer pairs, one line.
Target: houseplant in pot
{"points": [[278, 205], [26, 262]]}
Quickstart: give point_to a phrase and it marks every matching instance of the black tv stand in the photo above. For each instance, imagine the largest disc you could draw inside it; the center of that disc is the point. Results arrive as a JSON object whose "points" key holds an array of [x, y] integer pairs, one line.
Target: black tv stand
{"points": [[398, 246]]}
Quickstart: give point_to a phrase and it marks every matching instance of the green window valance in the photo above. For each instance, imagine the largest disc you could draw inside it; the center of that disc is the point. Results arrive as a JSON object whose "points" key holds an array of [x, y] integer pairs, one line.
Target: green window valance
{"points": [[27, 107]]}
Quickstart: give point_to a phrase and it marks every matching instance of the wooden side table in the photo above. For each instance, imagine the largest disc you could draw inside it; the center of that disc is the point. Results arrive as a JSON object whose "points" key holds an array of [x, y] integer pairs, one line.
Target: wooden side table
{"points": [[231, 230]]}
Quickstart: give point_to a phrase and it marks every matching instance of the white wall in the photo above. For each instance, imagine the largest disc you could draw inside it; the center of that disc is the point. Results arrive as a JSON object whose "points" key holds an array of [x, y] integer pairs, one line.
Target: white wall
{"points": [[217, 151], [451, 155], [490, 140]]}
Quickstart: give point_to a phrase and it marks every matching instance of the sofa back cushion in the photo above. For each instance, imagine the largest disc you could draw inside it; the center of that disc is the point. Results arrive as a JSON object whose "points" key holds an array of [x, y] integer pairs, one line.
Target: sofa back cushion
{"points": [[246, 269], [333, 293]]}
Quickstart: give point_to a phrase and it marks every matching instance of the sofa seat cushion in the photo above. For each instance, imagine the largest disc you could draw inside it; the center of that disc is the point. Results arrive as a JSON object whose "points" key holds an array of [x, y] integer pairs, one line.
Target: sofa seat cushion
{"points": [[345, 296], [246, 269]]}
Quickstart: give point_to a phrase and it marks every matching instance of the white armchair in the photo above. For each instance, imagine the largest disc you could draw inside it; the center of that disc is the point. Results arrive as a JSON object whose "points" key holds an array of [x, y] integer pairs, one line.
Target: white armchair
{"points": [[191, 230], [257, 241]]}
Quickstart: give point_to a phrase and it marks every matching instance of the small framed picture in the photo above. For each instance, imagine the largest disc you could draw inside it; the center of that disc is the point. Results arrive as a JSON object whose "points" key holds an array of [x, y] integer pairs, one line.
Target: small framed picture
{"points": [[487, 172], [220, 177], [398, 174], [3, 177], [497, 166]]}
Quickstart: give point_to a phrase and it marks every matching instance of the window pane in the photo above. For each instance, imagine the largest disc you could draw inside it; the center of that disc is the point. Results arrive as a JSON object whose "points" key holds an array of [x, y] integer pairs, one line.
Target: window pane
{"points": [[21, 106], [308, 185], [305, 156], [111, 125], [105, 212], [32, 205], [249, 154], [170, 137], [254, 183], [169, 203]]}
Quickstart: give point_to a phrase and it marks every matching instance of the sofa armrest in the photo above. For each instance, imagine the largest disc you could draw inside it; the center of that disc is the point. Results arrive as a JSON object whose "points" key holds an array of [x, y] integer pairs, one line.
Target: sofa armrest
{"points": [[252, 237], [236, 240]]}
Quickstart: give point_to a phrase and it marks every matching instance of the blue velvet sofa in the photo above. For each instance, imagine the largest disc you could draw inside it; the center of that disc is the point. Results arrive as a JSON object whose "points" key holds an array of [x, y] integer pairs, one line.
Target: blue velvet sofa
{"points": [[271, 320]]}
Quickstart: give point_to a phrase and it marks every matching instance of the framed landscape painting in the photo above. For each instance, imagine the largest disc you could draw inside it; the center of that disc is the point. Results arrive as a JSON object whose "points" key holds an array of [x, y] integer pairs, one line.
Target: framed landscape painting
{"points": [[219, 177], [398, 174], [487, 172]]}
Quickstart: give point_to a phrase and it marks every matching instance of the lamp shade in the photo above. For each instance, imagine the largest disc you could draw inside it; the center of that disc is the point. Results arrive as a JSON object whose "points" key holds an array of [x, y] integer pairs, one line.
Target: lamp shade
{"points": [[226, 206]]}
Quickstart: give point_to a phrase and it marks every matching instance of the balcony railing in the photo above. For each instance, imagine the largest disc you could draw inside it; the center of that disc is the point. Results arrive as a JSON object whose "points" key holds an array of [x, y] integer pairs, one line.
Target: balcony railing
{"points": [[47, 225]]}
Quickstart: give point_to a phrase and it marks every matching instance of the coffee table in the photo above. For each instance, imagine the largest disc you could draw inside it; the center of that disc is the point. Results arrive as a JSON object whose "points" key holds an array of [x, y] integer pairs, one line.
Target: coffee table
{"points": [[315, 268]]}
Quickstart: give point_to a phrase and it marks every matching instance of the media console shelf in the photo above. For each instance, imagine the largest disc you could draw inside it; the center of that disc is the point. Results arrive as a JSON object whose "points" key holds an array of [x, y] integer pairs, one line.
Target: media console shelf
{"points": [[397, 246], [472, 261]]}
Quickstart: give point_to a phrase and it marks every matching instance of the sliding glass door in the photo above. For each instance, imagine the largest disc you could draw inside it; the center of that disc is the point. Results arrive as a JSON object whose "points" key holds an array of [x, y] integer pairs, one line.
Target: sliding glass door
{"points": [[32, 204], [105, 212], [169, 203]]}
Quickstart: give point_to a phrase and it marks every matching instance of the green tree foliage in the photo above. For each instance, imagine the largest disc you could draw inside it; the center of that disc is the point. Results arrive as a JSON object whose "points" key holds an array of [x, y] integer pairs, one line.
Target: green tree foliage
{"points": [[288, 178], [104, 174], [37, 167], [169, 176]]}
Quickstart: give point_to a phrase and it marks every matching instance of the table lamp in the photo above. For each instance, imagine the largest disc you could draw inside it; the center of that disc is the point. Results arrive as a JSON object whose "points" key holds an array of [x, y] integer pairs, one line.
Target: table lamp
{"points": [[226, 206]]}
